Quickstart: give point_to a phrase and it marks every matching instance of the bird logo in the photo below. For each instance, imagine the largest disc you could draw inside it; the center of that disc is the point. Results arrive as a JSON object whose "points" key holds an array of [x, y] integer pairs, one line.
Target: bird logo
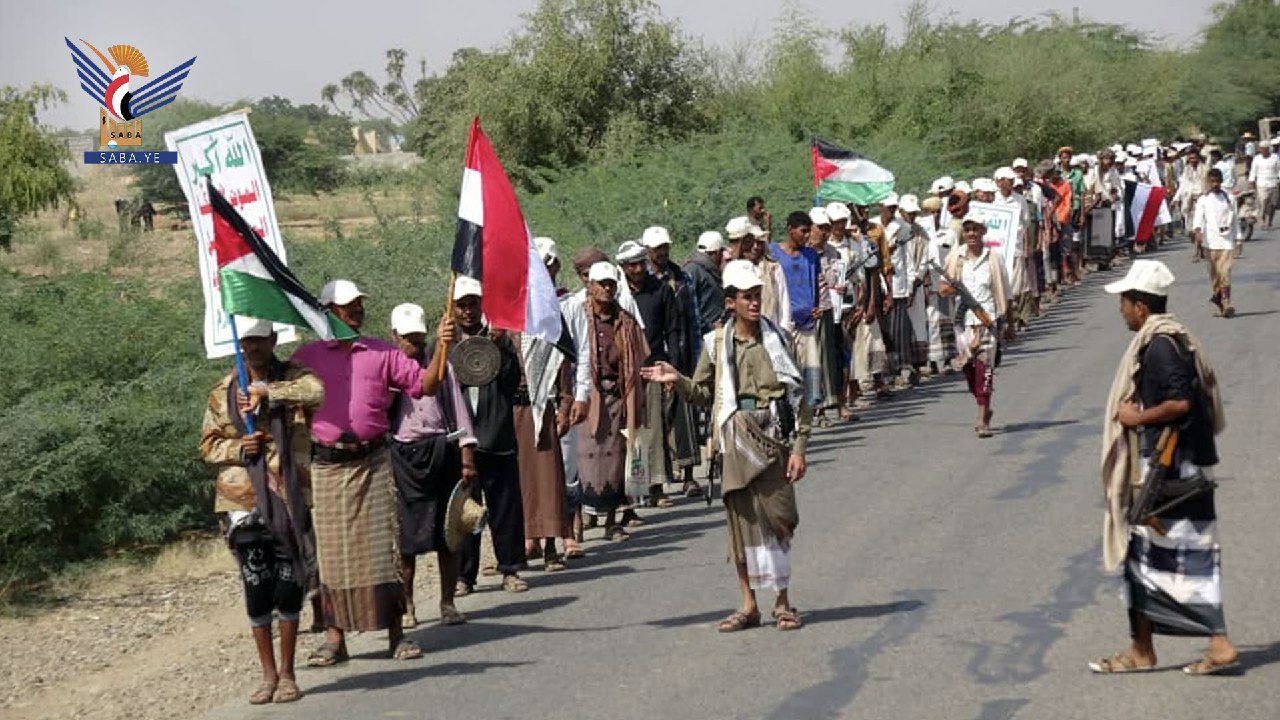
{"points": [[111, 88]]}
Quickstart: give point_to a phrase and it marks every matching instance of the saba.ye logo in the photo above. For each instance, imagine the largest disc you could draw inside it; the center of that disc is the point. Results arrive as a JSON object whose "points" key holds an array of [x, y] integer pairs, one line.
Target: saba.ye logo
{"points": [[111, 86]]}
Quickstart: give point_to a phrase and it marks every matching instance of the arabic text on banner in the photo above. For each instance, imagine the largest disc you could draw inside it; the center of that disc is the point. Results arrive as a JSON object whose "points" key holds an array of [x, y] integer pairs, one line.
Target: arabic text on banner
{"points": [[1003, 223], [224, 148]]}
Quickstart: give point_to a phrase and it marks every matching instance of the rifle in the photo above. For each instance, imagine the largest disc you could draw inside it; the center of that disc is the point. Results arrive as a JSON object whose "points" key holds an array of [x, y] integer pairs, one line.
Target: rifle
{"points": [[965, 295], [1156, 487]]}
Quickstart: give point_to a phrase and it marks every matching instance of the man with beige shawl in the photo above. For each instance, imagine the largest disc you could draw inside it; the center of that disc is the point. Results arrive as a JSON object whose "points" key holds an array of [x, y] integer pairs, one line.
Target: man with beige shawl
{"points": [[1172, 563], [748, 377]]}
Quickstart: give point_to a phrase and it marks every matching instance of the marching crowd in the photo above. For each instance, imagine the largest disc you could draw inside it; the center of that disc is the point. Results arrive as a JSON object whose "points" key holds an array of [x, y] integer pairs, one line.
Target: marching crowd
{"points": [[367, 453]]}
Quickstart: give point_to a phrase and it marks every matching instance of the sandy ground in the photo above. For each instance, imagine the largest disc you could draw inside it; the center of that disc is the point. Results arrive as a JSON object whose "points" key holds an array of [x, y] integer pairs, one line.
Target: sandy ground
{"points": [[166, 641]]}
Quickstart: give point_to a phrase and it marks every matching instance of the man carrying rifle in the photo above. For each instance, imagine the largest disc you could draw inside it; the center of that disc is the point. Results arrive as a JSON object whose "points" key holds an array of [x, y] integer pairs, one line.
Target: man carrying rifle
{"points": [[1163, 412], [975, 273]]}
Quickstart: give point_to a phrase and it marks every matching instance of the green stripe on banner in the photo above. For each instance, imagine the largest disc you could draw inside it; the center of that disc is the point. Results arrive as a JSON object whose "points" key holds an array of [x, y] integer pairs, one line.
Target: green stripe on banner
{"points": [[856, 193], [244, 294]]}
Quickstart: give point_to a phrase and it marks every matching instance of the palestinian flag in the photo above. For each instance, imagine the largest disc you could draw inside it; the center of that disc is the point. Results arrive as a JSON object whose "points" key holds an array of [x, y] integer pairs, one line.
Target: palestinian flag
{"points": [[844, 175], [254, 282], [494, 246], [1147, 209]]}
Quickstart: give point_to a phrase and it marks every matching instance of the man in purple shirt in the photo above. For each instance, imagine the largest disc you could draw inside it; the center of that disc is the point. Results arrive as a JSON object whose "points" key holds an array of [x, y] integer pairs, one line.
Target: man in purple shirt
{"points": [[432, 446], [353, 490]]}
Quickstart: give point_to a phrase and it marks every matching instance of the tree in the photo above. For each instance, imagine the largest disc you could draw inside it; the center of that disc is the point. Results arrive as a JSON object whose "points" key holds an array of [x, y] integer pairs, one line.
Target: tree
{"points": [[394, 99], [1236, 76], [33, 176]]}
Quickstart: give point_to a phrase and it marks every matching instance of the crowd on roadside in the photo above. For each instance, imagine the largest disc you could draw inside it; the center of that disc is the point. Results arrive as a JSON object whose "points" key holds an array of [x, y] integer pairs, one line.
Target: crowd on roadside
{"points": [[368, 453]]}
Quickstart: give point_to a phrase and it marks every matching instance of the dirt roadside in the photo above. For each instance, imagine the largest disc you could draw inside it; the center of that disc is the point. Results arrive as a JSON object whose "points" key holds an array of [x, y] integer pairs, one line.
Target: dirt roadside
{"points": [[168, 641]]}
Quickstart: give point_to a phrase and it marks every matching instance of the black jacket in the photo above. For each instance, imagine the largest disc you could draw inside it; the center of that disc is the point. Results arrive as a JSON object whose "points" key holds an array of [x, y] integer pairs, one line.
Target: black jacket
{"points": [[1169, 373], [704, 275], [660, 313]]}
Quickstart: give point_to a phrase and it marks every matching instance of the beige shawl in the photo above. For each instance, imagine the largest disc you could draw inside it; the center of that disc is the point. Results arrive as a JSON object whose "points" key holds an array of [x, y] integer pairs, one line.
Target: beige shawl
{"points": [[1120, 444]]}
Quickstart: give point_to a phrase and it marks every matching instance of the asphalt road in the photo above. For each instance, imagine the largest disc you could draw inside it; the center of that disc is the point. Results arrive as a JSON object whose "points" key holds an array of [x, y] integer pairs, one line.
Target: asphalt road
{"points": [[940, 576]]}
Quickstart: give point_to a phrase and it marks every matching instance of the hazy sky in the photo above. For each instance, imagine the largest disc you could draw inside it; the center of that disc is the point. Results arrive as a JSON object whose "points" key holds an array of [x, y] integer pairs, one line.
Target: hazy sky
{"points": [[253, 48]]}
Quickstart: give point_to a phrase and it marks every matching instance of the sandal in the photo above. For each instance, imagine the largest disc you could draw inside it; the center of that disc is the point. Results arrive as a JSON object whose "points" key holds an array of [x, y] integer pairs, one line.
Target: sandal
{"points": [[286, 692], [410, 619], [463, 589], [263, 695], [787, 619], [513, 584], [739, 620], [1208, 666], [631, 519], [692, 490], [664, 503], [554, 564], [328, 655], [572, 551], [1118, 664], [449, 615], [406, 650], [615, 533]]}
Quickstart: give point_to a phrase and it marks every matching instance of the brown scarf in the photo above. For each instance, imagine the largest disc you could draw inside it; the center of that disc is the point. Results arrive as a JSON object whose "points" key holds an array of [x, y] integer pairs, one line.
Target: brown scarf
{"points": [[287, 518], [632, 351]]}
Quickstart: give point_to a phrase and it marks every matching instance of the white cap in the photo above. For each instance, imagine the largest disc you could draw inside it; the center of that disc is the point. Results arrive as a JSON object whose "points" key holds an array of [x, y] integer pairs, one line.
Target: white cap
{"points": [[1148, 276], [741, 274], [1275, 140], [630, 251], [818, 216], [975, 216], [891, 200], [985, 185], [464, 286], [602, 271], [1122, 157], [756, 231], [737, 228], [963, 187], [408, 318], [838, 211], [1117, 148], [1149, 151], [247, 327], [1133, 149], [875, 220], [1005, 173], [942, 185], [1131, 162], [1150, 142], [1019, 182], [339, 292], [711, 241], [909, 203], [1020, 163], [546, 249], [655, 236]]}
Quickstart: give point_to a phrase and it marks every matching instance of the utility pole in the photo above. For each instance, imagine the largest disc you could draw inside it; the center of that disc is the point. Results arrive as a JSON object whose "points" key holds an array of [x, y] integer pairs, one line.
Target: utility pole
{"points": [[1075, 15]]}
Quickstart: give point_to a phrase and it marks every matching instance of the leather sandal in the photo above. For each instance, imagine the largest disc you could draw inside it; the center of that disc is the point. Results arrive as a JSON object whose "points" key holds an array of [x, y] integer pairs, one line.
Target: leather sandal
{"points": [[787, 619], [263, 694], [286, 692], [739, 620], [328, 655]]}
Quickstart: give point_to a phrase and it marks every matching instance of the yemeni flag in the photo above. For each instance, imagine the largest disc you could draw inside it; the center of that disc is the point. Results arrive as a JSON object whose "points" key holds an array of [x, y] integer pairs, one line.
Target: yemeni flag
{"points": [[844, 175], [494, 246], [254, 282], [1147, 209]]}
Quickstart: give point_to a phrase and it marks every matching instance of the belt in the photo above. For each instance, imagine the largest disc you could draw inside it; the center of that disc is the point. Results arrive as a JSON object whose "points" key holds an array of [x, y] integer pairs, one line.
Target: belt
{"points": [[341, 452]]}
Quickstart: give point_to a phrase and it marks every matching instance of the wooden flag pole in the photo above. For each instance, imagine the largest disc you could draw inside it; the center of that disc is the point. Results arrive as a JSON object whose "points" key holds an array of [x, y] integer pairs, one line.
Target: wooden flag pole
{"points": [[441, 347]]}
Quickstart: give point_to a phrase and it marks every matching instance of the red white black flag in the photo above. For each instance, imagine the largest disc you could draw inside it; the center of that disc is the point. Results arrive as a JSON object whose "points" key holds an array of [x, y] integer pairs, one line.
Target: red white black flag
{"points": [[494, 246]]}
